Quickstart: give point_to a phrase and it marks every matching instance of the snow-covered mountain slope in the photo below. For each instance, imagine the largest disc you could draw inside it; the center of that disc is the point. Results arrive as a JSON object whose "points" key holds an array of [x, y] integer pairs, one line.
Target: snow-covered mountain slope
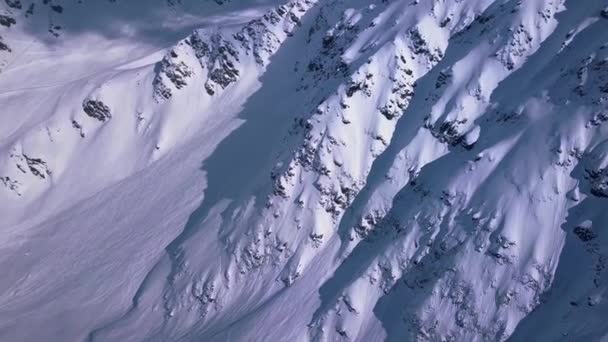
{"points": [[310, 170]]}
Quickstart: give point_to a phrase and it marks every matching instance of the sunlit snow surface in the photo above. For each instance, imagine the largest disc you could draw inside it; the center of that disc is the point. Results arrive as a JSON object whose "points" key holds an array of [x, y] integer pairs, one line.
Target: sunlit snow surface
{"points": [[306, 170]]}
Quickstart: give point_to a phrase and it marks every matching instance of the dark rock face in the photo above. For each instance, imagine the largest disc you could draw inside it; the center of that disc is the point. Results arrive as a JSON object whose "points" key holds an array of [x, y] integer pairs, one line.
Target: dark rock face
{"points": [[448, 132], [223, 57], [176, 71], [161, 90], [16, 4], [4, 46], [57, 8], [30, 10], [97, 109], [216, 54], [584, 234], [7, 21], [598, 180], [37, 167]]}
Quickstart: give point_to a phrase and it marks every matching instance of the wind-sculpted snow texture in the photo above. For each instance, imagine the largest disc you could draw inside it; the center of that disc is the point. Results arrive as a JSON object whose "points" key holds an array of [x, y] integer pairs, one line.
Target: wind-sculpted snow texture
{"points": [[307, 170]]}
